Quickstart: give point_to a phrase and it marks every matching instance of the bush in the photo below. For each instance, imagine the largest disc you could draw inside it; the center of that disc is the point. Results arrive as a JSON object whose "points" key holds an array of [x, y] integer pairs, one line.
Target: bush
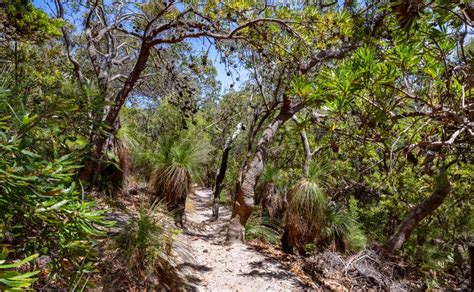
{"points": [[144, 248], [42, 211], [262, 228]]}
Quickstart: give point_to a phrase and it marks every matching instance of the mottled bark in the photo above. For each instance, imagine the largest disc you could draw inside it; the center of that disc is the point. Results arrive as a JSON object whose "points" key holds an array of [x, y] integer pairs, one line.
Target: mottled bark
{"points": [[308, 154], [223, 169], [110, 120], [420, 212], [245, 202]]}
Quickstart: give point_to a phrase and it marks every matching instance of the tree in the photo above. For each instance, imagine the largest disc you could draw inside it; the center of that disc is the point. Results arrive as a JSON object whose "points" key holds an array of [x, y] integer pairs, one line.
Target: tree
{"points": [[291, 97], [412, 98], [151, 29], [223, 169]]}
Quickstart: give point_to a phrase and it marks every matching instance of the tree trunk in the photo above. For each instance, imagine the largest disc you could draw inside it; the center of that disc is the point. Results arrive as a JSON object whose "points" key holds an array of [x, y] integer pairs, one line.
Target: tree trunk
{"points": [[245, 202], [223, 169], [426, 208], [92, 166], [307, 152]]}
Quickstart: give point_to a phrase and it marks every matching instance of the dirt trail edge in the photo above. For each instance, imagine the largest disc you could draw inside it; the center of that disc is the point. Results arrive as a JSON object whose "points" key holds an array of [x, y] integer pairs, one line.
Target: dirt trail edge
{"points": [[213, 266]]}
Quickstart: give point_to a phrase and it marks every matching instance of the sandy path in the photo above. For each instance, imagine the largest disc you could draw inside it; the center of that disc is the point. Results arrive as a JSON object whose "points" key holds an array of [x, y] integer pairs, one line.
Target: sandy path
{"points": [[213, 266]]}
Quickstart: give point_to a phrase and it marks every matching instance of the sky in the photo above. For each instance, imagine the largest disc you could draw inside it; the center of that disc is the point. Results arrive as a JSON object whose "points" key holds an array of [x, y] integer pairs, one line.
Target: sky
{"points": [[198, 46], [239, 72]]}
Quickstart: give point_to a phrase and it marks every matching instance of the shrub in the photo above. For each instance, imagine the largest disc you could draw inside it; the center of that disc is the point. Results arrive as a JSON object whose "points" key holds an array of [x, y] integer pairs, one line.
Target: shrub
{"points": [[144, 249], [42, 211], [305, 214]]}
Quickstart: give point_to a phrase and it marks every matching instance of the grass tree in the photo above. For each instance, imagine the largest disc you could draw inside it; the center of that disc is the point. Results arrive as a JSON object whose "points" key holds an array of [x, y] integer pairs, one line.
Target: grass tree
{"points": [[305, 215], [145, 246], [311, 218], [176, 166]]}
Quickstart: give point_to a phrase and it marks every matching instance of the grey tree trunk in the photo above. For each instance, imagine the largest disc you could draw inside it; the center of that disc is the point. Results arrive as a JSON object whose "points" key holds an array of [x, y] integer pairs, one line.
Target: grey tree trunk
{"points": [[426, 208], [307, 152], [245, 202], [223, 169]]}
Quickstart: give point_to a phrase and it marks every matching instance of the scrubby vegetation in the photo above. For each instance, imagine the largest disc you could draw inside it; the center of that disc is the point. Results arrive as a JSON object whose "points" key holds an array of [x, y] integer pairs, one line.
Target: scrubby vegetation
{"points": [[338, 132], [145, 246]]}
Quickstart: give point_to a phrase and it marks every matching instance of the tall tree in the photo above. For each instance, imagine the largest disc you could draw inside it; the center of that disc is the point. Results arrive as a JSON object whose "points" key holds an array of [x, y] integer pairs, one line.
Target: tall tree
{"points": [[293, 92], [121, 38]]}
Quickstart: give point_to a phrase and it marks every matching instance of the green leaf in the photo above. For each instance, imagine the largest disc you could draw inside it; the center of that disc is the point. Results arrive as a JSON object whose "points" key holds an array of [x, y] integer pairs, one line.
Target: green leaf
{"points": [[19, 263]]}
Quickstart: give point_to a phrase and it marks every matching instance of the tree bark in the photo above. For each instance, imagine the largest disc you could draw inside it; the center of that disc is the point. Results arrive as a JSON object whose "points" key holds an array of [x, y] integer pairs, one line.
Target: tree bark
{"points": [[100, 141], [307, 152], [245, 202], [223, 169], [426, 208]]}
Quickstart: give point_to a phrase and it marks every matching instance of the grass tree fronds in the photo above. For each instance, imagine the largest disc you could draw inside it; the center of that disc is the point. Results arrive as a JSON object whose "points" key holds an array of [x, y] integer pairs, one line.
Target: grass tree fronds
{"points": [[145, 248], [318, 169], [176, 167], [307, 200], [270, 193], [341, 231], [305, 214]]}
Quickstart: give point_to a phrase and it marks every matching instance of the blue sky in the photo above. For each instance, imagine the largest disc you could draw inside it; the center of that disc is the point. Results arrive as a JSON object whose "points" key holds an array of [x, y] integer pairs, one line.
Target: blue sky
{"points": [[198, 46], [239, 72]]}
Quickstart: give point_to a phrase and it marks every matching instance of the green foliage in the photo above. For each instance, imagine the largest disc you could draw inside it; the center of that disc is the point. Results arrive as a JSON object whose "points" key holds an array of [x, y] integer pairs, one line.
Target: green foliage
{"points": [[341, 230], [11, 279], [224, 198], [262, 228], [271, 174], [42, 208], [155, 144], [28, 22], [379, 112], [145, 245]]}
